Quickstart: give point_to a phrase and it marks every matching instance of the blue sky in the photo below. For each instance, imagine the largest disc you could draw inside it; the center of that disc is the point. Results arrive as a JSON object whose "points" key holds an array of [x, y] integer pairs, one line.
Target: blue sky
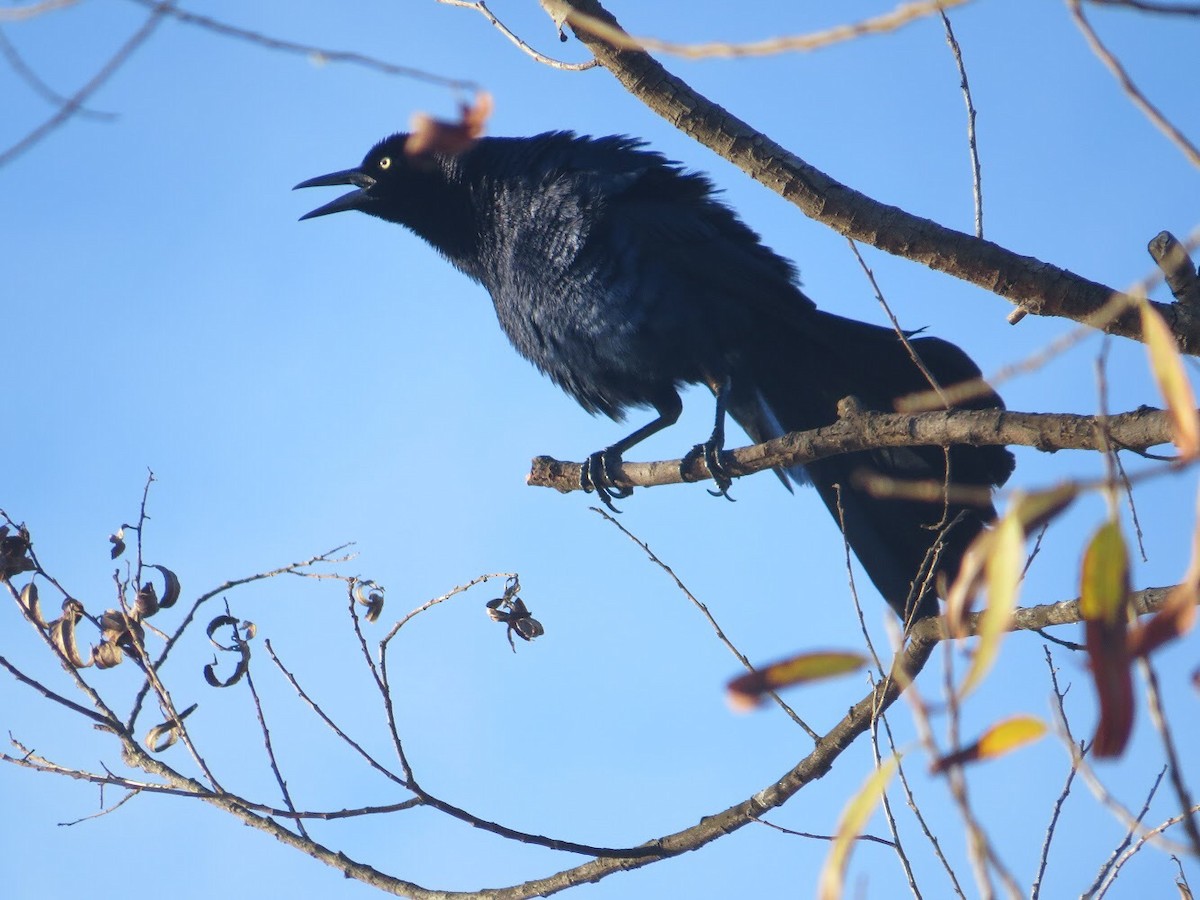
{"points": [[295, 386]]}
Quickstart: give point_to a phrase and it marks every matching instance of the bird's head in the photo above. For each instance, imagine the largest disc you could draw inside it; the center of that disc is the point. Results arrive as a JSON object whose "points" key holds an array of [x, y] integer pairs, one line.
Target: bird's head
{"points": [[377, 179]]}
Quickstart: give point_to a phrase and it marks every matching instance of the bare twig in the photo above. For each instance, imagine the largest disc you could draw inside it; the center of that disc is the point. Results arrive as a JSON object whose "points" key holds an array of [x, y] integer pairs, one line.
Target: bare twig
{"points": [[700, 605], [1161, 724], [934, 385], [1036, 888], [972, 146], [1102, 880], [17, 63], [902, 15], [481, 7], [1172, 8], [268, 744], [32, 10], [311, 51], [874, 839], [1139, 99], [76, 100]]}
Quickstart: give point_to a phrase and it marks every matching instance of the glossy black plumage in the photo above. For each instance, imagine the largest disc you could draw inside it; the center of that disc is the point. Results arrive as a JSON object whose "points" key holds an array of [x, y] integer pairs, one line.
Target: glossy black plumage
{"points": [[620, 276]]}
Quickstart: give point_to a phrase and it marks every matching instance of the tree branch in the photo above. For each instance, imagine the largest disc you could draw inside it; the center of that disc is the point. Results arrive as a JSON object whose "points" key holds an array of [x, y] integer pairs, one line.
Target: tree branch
{"points": [[1035, 286], [857, 429]]}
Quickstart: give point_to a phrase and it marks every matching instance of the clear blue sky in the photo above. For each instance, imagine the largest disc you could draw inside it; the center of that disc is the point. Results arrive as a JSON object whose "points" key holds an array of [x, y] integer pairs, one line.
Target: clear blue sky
{"points": [[295, 386]]}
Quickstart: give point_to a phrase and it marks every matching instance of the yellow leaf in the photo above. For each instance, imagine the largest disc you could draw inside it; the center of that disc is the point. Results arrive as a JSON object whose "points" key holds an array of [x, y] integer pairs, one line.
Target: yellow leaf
{"points": [[1003, 566], [1010, 734], [1105, 580], [1172, 381], [850, 826], [967, 584]]}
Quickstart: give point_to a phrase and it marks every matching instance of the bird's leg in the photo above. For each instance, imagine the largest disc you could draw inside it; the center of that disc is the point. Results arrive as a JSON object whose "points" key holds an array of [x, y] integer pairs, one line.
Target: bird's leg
{"points": [[596, 473], [712, 449]]}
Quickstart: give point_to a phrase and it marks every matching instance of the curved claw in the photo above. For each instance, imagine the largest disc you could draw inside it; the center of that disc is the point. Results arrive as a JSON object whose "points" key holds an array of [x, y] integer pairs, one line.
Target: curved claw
{"points": [[595, 476], [716, 468]]}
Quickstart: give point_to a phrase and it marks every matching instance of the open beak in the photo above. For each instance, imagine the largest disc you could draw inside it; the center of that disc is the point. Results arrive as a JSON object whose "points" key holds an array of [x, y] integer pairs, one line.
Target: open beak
{"points": [[353, 200]]}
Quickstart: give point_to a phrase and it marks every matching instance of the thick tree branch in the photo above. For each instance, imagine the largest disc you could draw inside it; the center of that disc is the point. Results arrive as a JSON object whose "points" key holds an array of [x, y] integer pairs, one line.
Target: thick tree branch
{"points": [[857, 429], [1035, 286]]}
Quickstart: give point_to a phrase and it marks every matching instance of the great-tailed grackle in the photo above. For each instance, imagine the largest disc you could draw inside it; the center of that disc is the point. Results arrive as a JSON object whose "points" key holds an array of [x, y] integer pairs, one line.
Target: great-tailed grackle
{"points": [[620, 276]]}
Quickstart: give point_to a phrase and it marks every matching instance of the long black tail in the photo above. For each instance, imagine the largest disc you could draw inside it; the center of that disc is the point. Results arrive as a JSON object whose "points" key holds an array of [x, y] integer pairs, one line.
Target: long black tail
{"points": [[796, 382]]}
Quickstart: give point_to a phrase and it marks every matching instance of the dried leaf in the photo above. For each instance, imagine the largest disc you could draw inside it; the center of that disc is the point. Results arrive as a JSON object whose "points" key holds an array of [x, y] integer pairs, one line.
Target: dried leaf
{"points": [[220, 622], [1103, 602], [854, 819], [1003, 566], [210, 670], [145, 604], [1172, 381], [171, 588], [119, 628], [240, 645], [372, 600], [996, 741], [14, 550], [163, 735], [118, 542], [747, 691], [62, 633], [429, 135], [107, 655], [29, 600]]}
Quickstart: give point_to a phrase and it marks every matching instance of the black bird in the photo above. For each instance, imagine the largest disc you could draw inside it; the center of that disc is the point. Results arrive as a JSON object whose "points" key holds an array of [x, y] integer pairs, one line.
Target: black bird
{"points": [[621, 276]]}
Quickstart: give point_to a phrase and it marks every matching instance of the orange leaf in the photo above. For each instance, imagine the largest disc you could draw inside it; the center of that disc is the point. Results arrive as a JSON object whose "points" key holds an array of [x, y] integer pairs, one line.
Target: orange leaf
{"points": [[429, 135], [1174, 619], [996, 741], [1172, 381], [747, 691]]}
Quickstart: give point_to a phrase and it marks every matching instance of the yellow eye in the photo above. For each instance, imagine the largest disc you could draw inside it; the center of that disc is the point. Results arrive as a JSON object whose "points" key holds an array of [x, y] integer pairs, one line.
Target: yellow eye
{"points": [[385, 163]]}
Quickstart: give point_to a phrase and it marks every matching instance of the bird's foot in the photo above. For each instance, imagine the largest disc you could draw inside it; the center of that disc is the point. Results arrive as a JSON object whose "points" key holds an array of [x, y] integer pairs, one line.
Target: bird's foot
{"points": [[712, 452], [595, 476]]}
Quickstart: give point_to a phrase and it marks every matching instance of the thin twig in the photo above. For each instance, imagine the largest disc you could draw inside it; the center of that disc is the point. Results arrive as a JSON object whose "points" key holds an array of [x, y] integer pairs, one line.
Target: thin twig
{"points": [[903, 14], [67, 110], [934, 385], [972, 146], [268, 744], [292, 568], [1171, 7], [824, 837], [1102, 881], [1043, 859], [313, 52], [17, 63], [1158, 717], [333, 726], [700, 605], [1139, 99], [481, 7]]}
